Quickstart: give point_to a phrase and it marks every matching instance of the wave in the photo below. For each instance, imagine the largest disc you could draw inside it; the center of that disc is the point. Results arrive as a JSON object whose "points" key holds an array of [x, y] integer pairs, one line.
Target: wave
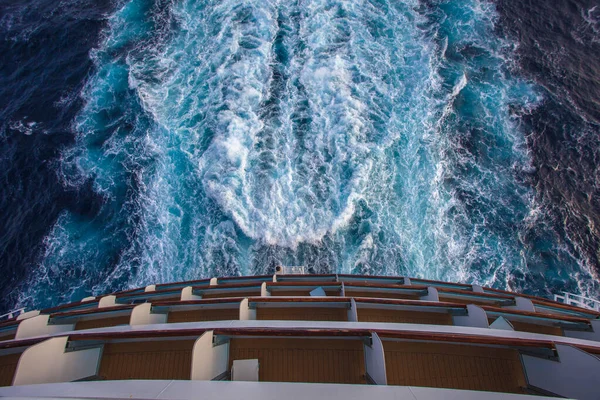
{"points": [[370, 137]]}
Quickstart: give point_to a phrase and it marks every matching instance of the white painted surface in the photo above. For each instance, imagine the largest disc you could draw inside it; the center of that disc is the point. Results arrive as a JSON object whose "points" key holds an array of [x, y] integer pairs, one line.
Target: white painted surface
{"points": [[576, 374], [89, 298], [142, 315], [399, 327], [222, 390], [375, 360], [318, 292], [28, 314], [38, 326], [150, 288], [187, 294], [47, 362], [593, 335], [214, 281], [477, 289], [522, 304], [476, 317], [208, 361], [245, 370], [353, 311], [264, 292], [107, 301], [247, 313], [502, 323], [432, 294]]}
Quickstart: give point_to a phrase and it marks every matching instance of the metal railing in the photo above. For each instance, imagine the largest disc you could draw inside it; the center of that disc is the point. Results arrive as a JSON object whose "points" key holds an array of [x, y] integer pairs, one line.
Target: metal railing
{"points": [[12, 314], [578, 301]]}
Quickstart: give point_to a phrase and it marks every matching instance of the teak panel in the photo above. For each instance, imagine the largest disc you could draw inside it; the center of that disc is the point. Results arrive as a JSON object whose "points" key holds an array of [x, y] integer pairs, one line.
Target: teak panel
{"points": [[205, 314], [249, 293], [454, 366], [285, 292], [303, 360], [535, 328], [302, 313], [7, 335], [102, 323], [403, 316], [8, 366], [169, 359], [383, 295], [468, 300]]}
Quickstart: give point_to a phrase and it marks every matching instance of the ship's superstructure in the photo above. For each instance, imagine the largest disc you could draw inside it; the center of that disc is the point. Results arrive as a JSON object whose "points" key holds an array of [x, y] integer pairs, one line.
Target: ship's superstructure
{"points": [[385, 337]]}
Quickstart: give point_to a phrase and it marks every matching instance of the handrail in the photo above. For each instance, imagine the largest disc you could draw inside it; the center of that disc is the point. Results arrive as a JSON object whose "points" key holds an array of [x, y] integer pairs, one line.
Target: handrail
{"points": [[12, 314], [578, 301]]}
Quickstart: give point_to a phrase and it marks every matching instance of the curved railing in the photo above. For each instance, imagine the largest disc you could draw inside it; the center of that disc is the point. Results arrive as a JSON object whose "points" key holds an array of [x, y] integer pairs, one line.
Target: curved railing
{"points": [[12, 314], [578, 301]]}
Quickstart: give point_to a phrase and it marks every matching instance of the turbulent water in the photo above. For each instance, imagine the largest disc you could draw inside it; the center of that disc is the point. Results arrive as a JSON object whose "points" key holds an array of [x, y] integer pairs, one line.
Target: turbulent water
{"points": [[147, 141]]}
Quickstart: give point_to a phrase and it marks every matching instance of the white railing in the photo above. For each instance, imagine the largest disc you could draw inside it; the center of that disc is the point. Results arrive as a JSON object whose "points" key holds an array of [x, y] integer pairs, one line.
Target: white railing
{"points": [[13, 313], [578, 301], [291, 270]]}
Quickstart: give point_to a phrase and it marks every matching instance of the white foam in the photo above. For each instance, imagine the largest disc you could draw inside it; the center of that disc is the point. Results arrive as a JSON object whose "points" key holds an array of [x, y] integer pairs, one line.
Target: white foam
{"points": [[219, 176]]}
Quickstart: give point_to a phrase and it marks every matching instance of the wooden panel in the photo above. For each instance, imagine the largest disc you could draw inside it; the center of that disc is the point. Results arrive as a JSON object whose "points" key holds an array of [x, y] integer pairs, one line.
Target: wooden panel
{"points": [[8, 366], [79, 305], [499, 296], [204, 315], [147, 360], [385, 295], [97, 311], [301, 283], [279, 292], [421, 303], [7, 335], [535, 328], [302, 313], [466, 300], [430, 282], [220, 300], [561, 317], [303, 360], [102, 323], [402, 316], [250, 293], [454, 366], [306, 299]]}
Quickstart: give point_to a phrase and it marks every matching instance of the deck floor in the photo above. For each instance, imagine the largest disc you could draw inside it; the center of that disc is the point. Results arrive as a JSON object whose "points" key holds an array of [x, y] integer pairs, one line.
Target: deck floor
{"points": [[401, 316], [8, 366], [169, 359], [535, 328], [454, 366], [302, 313], [381, 295], [303, 360], [222, 314], [279, 292], [102, 323], [459, 300], [248, 293]]}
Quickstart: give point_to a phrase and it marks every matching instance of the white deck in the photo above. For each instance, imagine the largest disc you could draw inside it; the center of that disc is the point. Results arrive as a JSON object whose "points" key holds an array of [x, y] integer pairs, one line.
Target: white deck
{"points": [[216, 390], [210, 325]]}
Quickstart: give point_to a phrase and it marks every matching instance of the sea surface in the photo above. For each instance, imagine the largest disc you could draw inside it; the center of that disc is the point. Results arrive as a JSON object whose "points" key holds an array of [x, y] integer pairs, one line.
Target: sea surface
{"points": [[148, 141]]}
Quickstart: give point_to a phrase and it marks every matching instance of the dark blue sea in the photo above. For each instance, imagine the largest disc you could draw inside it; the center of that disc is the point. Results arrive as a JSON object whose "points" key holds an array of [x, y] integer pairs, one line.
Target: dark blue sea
{"points": [[147, 141]]}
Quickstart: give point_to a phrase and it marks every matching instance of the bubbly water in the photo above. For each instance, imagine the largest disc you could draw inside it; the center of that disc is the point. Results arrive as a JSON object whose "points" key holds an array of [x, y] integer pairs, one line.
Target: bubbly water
{"points": [[366, 136]]}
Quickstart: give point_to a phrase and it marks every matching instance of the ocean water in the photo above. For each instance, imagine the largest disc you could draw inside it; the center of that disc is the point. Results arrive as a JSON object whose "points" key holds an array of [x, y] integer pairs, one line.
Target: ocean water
{"points": [[148, 141]]}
